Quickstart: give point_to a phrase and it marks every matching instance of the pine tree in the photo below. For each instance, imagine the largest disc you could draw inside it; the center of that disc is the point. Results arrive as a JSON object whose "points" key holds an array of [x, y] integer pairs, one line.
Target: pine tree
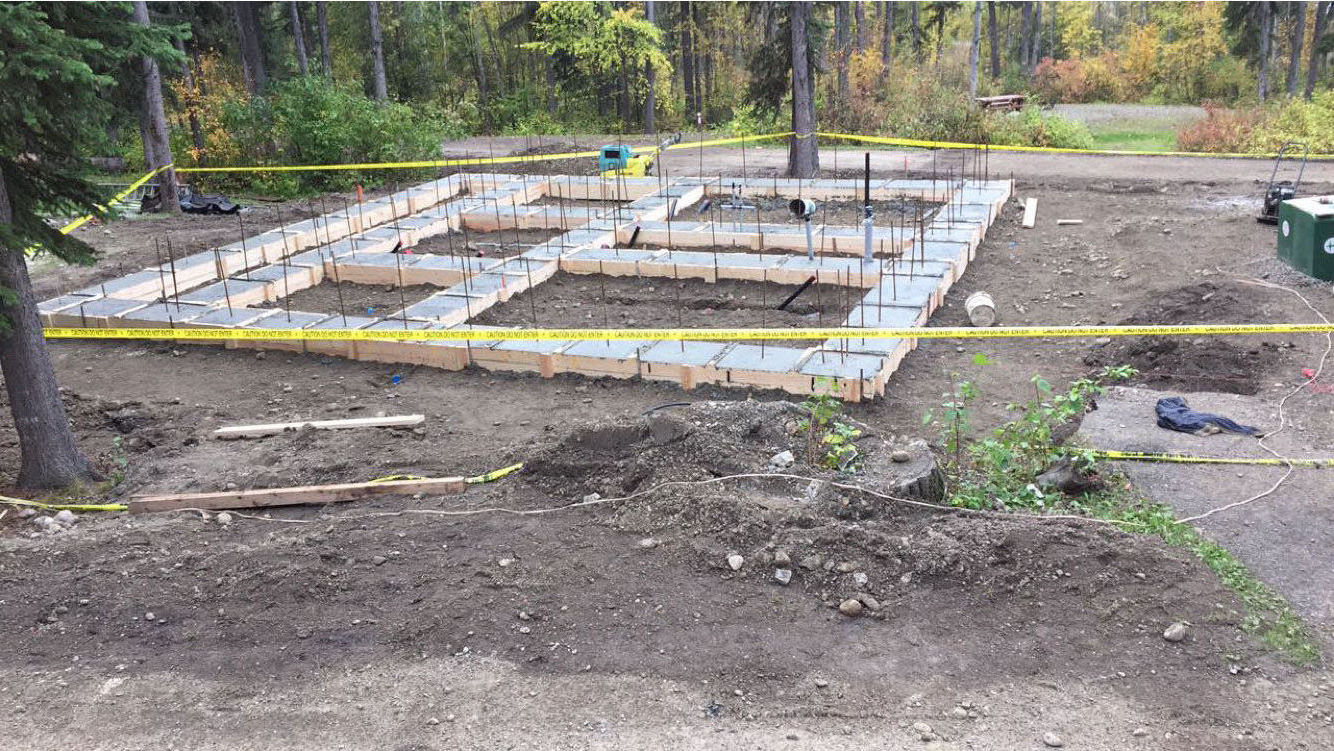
{"points": [[57, 62]]}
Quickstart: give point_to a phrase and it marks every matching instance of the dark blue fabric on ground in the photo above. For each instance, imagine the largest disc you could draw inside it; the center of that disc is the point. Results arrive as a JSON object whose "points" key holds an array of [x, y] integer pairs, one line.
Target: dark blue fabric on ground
{"points": [[1173, 414]]}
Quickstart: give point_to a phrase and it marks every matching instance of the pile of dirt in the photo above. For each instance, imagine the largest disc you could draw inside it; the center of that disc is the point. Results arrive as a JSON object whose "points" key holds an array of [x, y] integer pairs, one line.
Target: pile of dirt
{"points": [[1193, 363], [833, 542]]}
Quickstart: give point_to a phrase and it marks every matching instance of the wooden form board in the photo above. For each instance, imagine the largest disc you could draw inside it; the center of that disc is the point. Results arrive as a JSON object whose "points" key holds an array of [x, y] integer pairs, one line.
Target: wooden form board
{"points": [[338, 493], [276, 428], [1030, 213]]}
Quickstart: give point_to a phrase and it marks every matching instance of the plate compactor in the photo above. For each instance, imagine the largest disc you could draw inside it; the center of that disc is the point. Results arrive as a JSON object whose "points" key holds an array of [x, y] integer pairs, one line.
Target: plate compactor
{"points": [[1279, 191]]}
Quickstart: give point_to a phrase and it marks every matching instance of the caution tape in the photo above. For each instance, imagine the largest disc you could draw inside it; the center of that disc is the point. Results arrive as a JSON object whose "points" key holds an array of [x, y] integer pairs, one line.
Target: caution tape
{"points": [[924, 144], [77, 223], [64, 506], [883, 140], [494, 475], [422, 164], [911, 332], [1188, 459]]}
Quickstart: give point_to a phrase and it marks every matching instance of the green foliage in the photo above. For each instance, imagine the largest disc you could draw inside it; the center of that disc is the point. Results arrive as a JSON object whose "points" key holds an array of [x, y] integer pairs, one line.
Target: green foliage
{"points": [[748, 120], [1001, 469], [1033, 127], [57, 66], [830, 442], [1263, 129], [120, 461], [309, 120]]}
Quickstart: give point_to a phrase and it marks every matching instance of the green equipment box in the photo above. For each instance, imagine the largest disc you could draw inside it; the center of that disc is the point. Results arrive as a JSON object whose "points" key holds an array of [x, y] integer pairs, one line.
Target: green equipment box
{"points": [[1306, 235]]}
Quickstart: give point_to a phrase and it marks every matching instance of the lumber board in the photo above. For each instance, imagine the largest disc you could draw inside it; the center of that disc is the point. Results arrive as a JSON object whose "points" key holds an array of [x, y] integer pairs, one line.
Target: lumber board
{"points": [[1030, 213], [349, 491], [259, 431]]}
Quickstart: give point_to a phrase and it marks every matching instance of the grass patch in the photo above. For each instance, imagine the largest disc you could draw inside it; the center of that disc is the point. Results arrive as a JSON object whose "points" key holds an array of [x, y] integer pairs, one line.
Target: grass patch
{"points": [[1135, 139], [1000, 471]]}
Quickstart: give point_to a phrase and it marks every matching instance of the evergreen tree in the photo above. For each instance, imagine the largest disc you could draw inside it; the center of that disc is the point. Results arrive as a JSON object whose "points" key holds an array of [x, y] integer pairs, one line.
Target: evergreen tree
{"points": [[57, 62]]}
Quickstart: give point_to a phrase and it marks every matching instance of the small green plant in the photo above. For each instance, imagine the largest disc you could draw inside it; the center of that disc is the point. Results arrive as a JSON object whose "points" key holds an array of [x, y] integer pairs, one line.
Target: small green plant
{"points": [[120, 461], [1001, 469], [830, 441]]}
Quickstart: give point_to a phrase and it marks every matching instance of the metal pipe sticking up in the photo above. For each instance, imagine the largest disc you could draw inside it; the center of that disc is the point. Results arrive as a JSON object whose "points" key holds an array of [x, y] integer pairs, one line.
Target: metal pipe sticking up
{"points": [[804, 209], [868, 223]]}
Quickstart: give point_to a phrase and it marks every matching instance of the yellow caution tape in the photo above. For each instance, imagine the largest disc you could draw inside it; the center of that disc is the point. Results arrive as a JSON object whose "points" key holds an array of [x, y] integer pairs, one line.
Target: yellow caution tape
{"points": [[477, 161], [494, 475], [77, 223], [911, 332], [1187, 459], [65, 506], [423, 164], [924, 144]]}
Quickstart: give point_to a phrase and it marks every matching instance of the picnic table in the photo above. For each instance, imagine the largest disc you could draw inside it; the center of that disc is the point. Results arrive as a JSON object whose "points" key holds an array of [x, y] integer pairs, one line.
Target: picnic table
{"points": [[1002, 102]]}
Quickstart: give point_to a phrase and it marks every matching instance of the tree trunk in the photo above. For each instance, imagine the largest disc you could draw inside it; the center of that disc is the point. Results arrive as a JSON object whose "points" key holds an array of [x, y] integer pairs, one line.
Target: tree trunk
{"points": [[696, 65], [688, 61], [623, 107], [381, 89], [1266, 34], [887, 41], [1026, 36], [192, 101], [1322, 13], [252, 54], [549, 72], [940, 33], [859, 11], [916, 31], [650, 75], [803, 159], [479, 65], [1298, 36], [50, 458], [843, 40], [995, 40], [302, 63], [1035, 47], [155, 116], [322, 17], [975, 52]]}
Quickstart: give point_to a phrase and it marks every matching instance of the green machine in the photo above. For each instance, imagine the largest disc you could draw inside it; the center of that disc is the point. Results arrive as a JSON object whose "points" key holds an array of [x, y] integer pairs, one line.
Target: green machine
{"points": [[1306, 235]]}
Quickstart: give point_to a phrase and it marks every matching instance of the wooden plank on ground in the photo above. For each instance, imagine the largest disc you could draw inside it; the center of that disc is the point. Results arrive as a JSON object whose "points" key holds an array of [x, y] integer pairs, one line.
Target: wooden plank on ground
{"points": [[1030, 213], [259, 431], [349, 491]]}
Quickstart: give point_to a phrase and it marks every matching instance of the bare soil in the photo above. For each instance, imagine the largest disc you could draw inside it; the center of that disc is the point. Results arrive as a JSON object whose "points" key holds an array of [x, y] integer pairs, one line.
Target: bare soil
{"points": [[600, 301], [768, 210], [315, 628], [331, 298], [498, 244]]}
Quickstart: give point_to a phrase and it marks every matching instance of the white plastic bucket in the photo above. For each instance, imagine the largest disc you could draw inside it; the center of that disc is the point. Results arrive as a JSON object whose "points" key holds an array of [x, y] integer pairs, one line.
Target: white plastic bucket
{"points": [[981, 309]]}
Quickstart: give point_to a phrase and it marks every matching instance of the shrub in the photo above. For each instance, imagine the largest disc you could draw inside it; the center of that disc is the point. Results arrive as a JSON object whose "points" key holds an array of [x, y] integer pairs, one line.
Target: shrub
{"points": [[1221, 130], [1310, 122], [1033, 127], [1263, 129], [309, 120]]}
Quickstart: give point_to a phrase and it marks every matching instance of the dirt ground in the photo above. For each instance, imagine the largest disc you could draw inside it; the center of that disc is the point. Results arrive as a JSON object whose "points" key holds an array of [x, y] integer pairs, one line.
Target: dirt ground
{"points": [[836, 213], [498, 244], [622, 624], [598, 301]]}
